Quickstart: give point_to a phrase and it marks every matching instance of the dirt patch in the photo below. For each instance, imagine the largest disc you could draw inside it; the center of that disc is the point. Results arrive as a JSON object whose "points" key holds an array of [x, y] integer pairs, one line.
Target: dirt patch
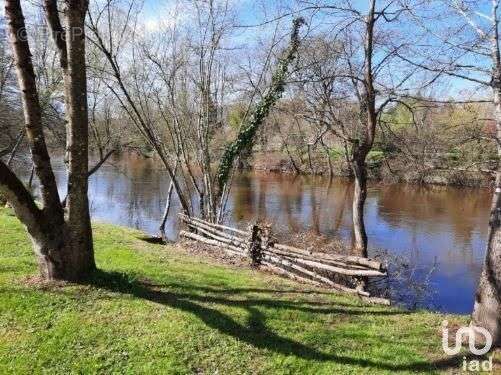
{"points": [[41, 283], [211, 252]]}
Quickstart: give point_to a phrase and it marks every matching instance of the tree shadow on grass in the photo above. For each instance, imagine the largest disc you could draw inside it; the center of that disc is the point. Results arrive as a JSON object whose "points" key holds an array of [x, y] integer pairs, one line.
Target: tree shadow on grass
{"points": [[256, 333]]}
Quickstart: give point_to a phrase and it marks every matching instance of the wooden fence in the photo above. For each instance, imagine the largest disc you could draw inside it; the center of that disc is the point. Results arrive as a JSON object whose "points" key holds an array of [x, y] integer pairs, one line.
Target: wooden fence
{"points": [[298, 264]]}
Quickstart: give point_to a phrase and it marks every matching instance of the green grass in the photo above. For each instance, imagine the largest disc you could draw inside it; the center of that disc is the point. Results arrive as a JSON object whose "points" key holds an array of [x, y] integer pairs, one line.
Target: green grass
{"points": [[158, 309]]}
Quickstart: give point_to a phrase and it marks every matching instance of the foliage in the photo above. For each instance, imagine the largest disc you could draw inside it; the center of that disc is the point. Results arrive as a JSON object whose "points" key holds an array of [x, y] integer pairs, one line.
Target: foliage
{"points": [[420, 138], [236, 116], [336, 153], [375, 156], [155, 309], [400, 116], [248, 130]]}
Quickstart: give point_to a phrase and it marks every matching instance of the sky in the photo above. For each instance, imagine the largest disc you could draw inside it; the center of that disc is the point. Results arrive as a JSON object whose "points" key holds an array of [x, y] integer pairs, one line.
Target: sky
{"points": [[158, 13]]}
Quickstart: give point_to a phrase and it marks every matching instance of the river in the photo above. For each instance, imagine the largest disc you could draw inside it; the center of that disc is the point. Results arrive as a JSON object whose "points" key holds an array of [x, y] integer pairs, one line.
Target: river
{"points": [[440, 232]]}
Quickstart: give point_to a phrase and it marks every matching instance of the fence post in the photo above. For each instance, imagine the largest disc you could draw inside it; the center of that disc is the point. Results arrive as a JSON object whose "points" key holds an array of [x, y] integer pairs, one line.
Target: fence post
{"points": [[254, 247], [360, 283], [266, 242]]}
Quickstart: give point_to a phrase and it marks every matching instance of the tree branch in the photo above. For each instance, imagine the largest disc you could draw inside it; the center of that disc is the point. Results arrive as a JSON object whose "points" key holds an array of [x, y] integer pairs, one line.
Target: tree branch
{"points": [[101, 162], [32, 111], [20, 199], [57, 31]]}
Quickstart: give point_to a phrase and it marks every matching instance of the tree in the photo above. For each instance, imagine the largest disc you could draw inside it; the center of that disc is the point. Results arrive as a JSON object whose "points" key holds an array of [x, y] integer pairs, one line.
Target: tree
{"points": [[360, 79], [173, 85], [11, 132], [112, 28], [464, 46], [249, 127], [62, 242]]}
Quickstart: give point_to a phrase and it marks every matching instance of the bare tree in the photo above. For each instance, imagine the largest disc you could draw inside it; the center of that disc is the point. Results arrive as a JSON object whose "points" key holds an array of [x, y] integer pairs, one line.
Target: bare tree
{"points": [[193, 68], [357, 84], [175, 92], [112, 28], [63, 245]]}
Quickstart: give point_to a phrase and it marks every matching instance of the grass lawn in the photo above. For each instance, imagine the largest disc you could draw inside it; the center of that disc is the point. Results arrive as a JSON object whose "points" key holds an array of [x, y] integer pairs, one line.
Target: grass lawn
{"points": [[158, 309]]}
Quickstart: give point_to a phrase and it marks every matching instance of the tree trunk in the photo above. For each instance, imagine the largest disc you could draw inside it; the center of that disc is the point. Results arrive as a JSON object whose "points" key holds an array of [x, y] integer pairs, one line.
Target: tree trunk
{"points": [[52, 244], [63, 247], [79, 226], [359, 196], [166, 212], [487, 307], [57, 258]]}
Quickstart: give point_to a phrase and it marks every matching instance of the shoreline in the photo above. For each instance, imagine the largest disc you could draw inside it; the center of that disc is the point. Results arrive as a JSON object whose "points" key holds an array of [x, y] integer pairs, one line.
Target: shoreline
{"points": [[271, 162]]}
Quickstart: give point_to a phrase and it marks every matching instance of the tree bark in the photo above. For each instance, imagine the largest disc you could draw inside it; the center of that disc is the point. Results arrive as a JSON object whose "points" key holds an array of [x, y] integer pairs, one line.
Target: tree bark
{"points": [[359, 196], [51, 243], [31, 108], [63, 247], [78, 216], [487, 307]]}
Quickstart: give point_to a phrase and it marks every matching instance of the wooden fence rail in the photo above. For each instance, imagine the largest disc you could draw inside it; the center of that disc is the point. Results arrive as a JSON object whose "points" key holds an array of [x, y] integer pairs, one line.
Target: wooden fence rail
{"points": [[298, 264]]}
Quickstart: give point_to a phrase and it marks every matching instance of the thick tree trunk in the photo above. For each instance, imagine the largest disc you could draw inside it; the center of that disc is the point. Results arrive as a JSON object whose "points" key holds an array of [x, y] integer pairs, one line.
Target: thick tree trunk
{"points": [[78, 217], [63, 246], [487, 308], [52, 244], [57, 258], [359, 196]]}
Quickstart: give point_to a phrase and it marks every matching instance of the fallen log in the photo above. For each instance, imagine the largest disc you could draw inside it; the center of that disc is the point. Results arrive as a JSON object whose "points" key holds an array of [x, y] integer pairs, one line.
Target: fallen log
{"points": [[340, 270], [219, 226], [279, 270], [283, 272], [218, 232], [336, 257], [218, 237], [295, 263], [329, 262], [314, 275], [340, 267], [218, 229]]}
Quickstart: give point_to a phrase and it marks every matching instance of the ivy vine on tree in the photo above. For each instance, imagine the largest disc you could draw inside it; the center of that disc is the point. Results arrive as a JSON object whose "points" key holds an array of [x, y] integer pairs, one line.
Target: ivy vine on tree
{"points": [[248, 130]]}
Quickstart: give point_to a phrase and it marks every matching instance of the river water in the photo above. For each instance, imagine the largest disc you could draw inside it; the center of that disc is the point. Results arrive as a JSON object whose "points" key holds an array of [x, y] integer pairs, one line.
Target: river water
{"points": [[438, 232]]}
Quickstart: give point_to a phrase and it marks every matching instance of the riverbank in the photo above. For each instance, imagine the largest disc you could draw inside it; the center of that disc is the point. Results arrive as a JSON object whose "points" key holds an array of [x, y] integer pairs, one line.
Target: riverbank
{"points": [[389, 171], [159, 309]]}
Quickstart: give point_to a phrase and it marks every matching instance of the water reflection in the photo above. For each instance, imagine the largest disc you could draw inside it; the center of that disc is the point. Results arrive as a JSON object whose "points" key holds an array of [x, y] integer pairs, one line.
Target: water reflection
{"points": [[428, 225]]}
